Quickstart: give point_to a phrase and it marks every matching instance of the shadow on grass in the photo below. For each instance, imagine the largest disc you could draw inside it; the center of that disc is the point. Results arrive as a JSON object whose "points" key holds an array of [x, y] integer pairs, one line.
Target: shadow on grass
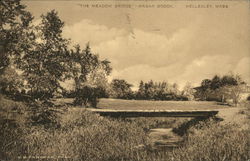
{"points": [[183, 128]]}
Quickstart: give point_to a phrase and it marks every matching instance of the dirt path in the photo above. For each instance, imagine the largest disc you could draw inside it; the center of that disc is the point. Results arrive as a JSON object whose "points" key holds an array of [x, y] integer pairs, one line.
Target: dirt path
{"points": [[233, 116]]}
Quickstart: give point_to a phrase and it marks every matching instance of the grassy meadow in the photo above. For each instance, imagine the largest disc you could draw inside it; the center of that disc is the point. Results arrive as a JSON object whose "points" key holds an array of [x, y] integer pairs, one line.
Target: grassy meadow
{"points": [[77, 134], [121, 104]]}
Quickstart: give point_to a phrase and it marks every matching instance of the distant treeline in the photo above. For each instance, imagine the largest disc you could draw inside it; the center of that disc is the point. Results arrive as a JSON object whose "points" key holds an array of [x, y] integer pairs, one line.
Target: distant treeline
{"points": [[221, 89], [149, 91]]}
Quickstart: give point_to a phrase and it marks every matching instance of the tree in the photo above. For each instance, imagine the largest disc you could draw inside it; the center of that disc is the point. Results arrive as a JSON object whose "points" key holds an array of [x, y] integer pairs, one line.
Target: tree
{"points": [[46, 63], [121, 89], [90, 76], [233, 88], [159, 91], [14, 33], [232, 92], [175, 89], [222, 88], [14, 22], [188, 91], [83, 63], [149, 90], [206, 83], [207, 89], [141, 91], [216, 82], [42, 56], [228, 80], [10, 82]]}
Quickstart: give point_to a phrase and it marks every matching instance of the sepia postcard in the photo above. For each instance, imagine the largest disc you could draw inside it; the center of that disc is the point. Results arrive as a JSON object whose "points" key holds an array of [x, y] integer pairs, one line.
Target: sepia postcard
{"points": [[116, 80]]}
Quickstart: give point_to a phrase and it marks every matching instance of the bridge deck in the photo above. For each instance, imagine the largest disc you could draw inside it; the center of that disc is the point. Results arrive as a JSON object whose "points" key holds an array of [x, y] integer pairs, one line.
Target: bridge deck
{"points": [[155, 113]]}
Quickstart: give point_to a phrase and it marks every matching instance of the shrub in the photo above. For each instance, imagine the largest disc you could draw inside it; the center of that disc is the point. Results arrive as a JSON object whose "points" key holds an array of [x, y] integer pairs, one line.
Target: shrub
{"points": [[10, 82], [87, 96]]}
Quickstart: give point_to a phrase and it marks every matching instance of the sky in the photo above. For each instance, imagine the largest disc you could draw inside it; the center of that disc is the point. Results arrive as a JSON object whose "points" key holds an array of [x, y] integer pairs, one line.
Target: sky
{"points": [[176, 44]]}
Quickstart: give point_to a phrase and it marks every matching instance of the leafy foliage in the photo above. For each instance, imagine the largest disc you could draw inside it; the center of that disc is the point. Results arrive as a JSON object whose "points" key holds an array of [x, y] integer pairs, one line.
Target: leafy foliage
{"points": [[43, 57], [46, 65], [90, 76], [10, 82], [159, 91], [14, 26], [188, 91], [121, 89], [221, 88]]}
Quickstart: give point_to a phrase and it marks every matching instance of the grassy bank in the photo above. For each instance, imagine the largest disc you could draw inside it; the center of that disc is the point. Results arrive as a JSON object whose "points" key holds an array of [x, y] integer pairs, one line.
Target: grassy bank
{"points": [[72, 134], [159, 105], [209, 142], [121, 104], [51, 132]]}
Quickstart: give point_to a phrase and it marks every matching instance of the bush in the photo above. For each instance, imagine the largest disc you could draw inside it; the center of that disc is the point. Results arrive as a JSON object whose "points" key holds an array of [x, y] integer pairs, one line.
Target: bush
{"points": [[10, 82], [87, 96]]}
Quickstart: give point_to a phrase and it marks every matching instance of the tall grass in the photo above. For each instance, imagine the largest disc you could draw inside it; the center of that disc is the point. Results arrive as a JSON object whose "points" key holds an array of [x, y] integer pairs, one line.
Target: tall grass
{"points": [[81, 135], [215, 142], [208, 141]]}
